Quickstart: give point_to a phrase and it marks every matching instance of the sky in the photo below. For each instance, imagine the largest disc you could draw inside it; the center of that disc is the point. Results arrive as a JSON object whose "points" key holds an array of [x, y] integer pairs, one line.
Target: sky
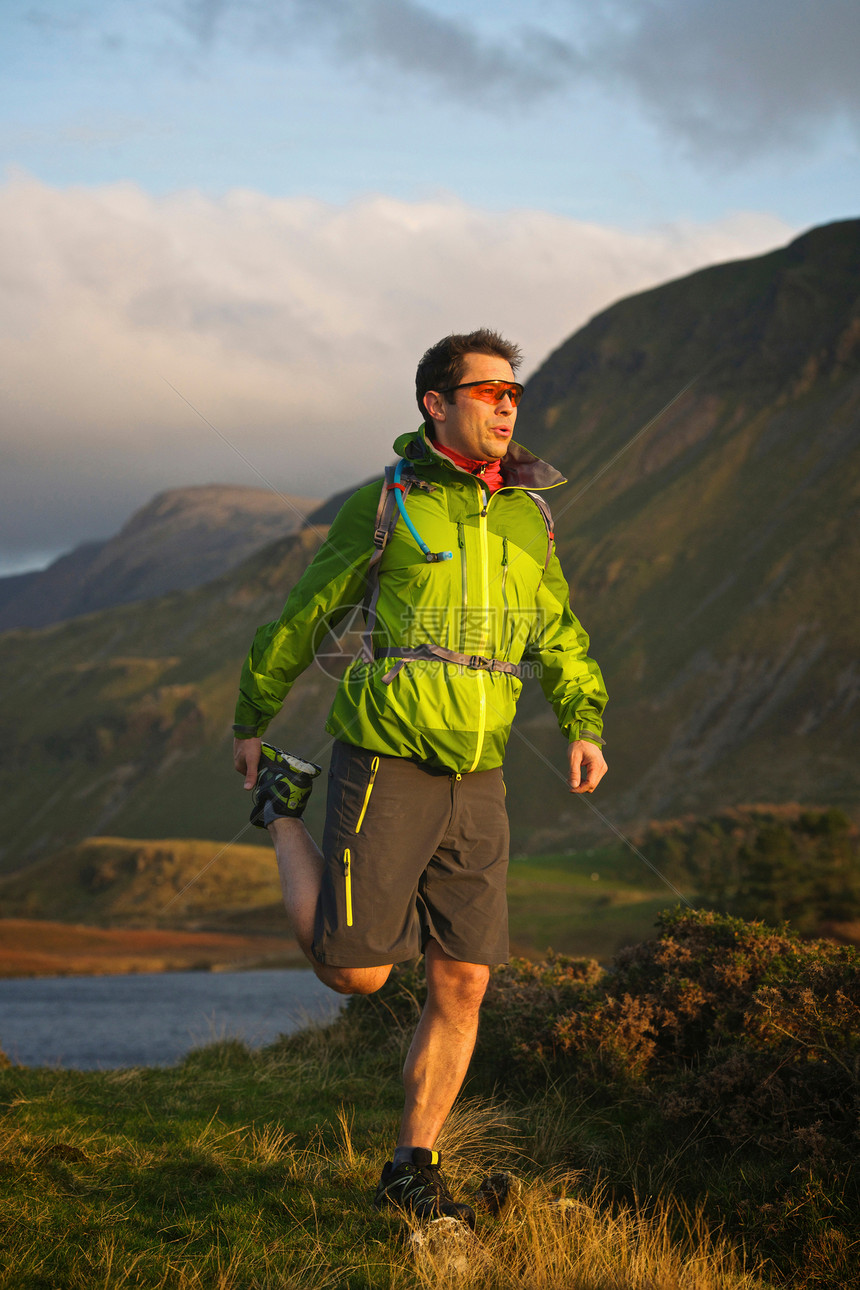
{"points": [[228, 230]]}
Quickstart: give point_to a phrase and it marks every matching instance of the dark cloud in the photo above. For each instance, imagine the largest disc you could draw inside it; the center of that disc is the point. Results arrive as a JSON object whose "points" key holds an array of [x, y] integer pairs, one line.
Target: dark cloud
{"points": [[404, 36], [203, 19], [729, 77], [419, 42], [736, 77]]}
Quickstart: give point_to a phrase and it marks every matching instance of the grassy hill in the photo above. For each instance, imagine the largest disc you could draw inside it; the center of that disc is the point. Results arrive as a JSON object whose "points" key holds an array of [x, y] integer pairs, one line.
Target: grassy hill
{"points": [[685, 1120], [131, 883], [714, 561], [119, 721], [711, 557]]}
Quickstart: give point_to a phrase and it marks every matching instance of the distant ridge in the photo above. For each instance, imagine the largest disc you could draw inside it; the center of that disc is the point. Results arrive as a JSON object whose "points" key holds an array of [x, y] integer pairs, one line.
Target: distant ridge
{"points": [[181, 538]]}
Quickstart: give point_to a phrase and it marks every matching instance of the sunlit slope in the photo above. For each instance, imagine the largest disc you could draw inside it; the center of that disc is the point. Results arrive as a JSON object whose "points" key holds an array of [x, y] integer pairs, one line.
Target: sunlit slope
{"points": [[131, 883]]}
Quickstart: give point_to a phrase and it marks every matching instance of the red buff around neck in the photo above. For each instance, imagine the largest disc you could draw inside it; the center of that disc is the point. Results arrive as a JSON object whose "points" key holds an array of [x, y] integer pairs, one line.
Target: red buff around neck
{"points": [[489, 472]]}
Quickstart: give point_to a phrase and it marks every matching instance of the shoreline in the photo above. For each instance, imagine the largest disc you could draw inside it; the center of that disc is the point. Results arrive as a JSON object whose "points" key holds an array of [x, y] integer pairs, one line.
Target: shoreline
{"points": [[43, 948]]}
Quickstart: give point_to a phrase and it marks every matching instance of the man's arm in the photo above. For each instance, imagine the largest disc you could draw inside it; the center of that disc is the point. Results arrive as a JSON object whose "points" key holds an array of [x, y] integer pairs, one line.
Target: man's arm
{"points": [[571, 681], [332, 583]]}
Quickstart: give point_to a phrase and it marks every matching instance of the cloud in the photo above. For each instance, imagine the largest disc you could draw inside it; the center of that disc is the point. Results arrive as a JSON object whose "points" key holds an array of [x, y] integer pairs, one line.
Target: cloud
{"points": [[729, 78], [292, 325], [732, 78], [402, 36], [413, 39]]}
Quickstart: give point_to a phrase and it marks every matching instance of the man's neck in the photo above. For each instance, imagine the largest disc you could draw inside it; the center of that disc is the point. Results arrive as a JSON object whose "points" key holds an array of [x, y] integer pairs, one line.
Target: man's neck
{"points": [[490, 472]]}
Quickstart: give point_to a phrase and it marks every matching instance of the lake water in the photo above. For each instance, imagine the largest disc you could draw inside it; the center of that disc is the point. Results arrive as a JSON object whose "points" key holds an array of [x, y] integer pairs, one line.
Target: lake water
{"points": [[152, 1019]]}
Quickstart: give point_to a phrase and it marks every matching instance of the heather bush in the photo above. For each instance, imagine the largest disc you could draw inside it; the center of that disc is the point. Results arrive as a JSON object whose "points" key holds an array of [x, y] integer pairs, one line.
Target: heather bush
{"points": [[747, 1025], [720, 1061]]}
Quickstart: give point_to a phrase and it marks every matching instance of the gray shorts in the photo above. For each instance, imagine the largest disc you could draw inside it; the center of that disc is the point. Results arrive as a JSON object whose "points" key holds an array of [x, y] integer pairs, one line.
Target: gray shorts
{"points": [[411, 854]]}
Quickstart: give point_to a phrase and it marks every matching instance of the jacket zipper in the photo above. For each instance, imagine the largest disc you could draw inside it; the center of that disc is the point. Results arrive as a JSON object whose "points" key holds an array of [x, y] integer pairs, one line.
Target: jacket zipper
{"points": [[482, 645], [464, 577], [503, 639], [347, 879], [374, 767]]}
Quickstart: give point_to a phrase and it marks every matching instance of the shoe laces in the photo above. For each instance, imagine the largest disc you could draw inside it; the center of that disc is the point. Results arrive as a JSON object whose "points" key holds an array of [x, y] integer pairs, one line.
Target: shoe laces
{"points": [[432, 1176]]}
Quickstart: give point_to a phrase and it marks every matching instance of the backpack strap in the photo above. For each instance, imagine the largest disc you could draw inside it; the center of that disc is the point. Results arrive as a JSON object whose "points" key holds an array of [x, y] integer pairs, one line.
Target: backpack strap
{"points": [[543, 506], [387, 513], [401, 478]]}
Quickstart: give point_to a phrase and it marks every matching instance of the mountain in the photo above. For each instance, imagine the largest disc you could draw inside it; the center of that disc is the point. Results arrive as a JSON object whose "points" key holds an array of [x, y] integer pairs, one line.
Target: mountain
{"points": [[710, 430], [180, 539]]}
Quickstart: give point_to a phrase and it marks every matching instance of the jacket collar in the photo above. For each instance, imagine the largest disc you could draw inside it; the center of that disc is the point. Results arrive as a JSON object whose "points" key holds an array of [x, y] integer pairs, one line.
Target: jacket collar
{"points": [[520, 468]]}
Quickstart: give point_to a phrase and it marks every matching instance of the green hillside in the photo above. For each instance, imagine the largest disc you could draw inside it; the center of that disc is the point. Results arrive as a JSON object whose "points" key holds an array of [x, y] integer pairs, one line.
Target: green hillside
{"points": [[713, 562], [119, 722]]}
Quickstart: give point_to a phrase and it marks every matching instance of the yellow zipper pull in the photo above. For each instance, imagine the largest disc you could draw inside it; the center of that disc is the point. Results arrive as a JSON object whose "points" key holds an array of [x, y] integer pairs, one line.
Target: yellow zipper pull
{"points": [[347, 877], [374, 767]]}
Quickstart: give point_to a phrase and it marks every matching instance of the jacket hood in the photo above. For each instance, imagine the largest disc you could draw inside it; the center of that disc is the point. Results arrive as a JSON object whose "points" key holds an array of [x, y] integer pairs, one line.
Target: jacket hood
{"points": [[520, 468]]}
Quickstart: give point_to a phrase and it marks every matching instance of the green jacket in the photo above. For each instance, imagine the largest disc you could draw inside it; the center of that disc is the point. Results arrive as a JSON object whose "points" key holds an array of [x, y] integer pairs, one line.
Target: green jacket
{"points": [[493, 598]]}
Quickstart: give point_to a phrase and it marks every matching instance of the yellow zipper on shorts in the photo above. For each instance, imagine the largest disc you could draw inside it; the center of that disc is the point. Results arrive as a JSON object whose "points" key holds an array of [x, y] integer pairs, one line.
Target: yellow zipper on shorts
{"points": [[347, 878], [374, 767]]}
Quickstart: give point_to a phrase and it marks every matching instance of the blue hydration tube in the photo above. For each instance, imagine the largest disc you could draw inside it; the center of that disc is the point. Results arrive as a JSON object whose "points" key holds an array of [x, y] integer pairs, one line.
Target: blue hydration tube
{"points": [[429, 555]]}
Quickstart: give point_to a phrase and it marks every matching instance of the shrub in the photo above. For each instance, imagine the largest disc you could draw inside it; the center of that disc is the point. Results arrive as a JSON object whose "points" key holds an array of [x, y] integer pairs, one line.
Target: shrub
{"points": [[735, 1025], [771, 863]]}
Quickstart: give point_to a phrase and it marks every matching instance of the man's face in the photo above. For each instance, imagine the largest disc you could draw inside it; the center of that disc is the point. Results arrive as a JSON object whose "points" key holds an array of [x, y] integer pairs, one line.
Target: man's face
{"points": [[478, 430]]}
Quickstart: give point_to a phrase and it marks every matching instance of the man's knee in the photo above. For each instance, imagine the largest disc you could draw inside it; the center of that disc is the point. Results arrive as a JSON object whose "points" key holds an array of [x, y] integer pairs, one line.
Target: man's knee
{"points": [[473, 983], [347, 980], [461, 984]]}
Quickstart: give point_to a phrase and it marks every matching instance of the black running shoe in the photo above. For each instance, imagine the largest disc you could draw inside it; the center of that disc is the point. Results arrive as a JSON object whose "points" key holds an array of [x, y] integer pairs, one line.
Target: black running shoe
{"points": [[418, 1188], [283, 786]]}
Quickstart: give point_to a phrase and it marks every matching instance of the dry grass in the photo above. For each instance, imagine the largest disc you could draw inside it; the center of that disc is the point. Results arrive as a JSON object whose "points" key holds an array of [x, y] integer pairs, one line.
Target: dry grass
{"points": [[283, 1215], [552, 1242]]}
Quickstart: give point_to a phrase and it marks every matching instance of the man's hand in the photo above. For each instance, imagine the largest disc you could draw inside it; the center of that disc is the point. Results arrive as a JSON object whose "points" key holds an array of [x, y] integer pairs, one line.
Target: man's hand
{"points": [[246, 759], [587, 766]]}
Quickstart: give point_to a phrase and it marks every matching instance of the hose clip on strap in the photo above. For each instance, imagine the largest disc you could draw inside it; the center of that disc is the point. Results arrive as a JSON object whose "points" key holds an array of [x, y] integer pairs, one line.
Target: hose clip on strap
{"points": [[399, 490]]}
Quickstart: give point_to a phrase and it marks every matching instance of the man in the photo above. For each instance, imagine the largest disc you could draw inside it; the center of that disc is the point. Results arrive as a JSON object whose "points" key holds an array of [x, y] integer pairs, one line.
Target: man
{"points": [[469, 596]]}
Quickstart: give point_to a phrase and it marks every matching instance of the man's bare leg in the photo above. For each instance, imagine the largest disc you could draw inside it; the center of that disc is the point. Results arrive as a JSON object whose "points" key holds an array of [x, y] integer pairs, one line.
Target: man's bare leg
{"points": [[300, 868], [442, 1045]]}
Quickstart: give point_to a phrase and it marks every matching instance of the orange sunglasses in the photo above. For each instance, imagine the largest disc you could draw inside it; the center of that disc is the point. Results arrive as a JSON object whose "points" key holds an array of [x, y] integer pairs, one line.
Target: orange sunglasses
{"points": [[490, 391]]}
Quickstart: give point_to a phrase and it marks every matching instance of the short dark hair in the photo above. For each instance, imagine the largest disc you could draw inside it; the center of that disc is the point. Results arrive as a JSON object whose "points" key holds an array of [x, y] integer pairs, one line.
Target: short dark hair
{"points": [[442, 366]]}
